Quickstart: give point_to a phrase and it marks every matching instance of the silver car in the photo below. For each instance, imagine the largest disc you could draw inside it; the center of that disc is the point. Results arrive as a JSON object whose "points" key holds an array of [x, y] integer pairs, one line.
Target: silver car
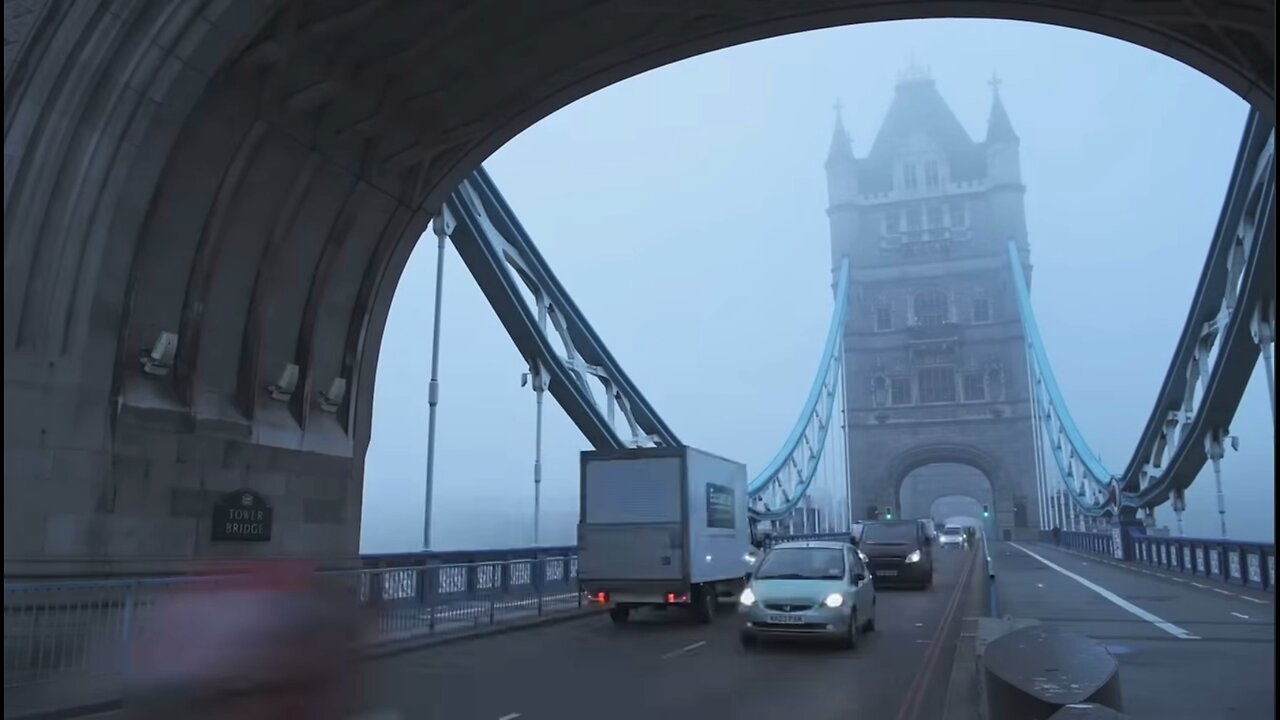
{"points": [[809, 589], [952, 536]]}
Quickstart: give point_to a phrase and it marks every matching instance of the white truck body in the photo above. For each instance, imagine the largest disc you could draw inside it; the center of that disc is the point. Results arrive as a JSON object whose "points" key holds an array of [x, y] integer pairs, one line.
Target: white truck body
{"points": [[660, 521]]}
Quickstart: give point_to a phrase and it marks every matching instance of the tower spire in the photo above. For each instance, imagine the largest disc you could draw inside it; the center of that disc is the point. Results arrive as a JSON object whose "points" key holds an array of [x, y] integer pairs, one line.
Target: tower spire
{"points": [[999, 127], [840, 150]]}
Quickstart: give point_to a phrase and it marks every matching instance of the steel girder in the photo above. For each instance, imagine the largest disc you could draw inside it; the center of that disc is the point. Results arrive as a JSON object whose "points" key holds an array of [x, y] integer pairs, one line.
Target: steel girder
{"points": [[778, 489], [501, 258]]}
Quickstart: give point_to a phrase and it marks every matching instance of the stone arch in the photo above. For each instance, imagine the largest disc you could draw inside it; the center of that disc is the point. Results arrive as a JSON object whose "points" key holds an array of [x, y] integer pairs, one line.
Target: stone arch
{"points": [[904, 463], [252, 176], [920, 489]]}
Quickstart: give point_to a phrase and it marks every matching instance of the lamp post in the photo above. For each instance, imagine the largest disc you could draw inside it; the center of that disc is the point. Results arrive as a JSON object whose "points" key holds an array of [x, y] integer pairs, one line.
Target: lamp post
{"points": [[442, 225], [539, 387]]}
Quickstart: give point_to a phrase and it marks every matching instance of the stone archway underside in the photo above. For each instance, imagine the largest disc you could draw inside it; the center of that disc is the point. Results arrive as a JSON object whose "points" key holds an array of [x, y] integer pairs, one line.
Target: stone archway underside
{"points": [[251, 177], [923, 487]]}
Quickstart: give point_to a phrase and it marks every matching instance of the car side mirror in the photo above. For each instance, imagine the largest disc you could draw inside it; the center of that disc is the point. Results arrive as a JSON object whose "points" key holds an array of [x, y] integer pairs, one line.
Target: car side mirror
{"points": [[858, 578]]}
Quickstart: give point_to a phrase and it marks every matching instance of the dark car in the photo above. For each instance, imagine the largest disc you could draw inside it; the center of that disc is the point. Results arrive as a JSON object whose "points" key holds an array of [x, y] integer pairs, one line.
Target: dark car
{"points": [[899, 552]]}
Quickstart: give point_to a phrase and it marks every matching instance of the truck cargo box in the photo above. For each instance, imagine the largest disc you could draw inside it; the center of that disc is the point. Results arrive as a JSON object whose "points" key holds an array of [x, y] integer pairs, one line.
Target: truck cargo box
{"points": [[654, 515]]}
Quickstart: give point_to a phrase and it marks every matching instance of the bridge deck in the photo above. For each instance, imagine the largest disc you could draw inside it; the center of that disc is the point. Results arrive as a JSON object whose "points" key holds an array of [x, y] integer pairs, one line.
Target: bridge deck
{"points": [[667, 666], [1213, 659]]}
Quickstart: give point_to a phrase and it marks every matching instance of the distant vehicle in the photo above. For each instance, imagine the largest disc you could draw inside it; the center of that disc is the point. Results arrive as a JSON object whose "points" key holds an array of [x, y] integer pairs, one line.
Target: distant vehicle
{"points": [[814, 589], [952, 536], [927, 526], [662, 527], [900, 552]]}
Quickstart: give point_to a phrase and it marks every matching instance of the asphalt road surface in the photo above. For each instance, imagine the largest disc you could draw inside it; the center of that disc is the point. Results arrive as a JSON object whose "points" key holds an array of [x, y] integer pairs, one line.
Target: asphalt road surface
{"points": [[664, 665], [1195, 649]]}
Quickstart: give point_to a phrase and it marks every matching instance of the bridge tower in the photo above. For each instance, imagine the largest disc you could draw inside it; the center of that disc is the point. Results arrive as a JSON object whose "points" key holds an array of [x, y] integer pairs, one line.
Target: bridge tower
{"points": [[935, 359]]}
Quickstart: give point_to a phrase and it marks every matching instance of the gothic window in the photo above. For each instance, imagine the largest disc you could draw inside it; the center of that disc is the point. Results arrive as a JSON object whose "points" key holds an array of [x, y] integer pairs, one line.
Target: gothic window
{"points": [[884, 317], [900, 391], [892, 221], [930, 308], [937, 384], [935, 215], [981, 309], [995, 383], [931, 174], [974, 387], [909, 180], [913, 217], [880, 390]]}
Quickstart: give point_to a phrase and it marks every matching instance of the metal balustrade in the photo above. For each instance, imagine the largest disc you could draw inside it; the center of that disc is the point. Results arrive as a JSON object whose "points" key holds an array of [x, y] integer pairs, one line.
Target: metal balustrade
{"points": [[71, 640], [1233, 562]]}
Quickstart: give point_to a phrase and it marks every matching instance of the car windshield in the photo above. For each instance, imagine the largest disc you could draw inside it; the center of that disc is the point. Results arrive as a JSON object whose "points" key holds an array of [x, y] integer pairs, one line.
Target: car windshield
{"points": [[802, 564], [873, 533], [952, 531]]}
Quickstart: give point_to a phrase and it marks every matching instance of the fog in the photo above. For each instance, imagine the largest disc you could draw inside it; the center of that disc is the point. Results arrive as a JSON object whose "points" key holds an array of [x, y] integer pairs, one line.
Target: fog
{"points": [[684, 210]]}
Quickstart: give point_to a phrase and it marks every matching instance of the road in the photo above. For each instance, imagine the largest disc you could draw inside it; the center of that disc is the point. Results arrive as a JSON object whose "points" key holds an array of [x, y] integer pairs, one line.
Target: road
{"points": [[665, 665], [1195, 649]]}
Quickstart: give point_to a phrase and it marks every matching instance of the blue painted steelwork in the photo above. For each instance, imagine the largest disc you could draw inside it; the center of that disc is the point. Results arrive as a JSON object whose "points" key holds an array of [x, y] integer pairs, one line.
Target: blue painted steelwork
{"points": [[778, 489], [1211, 364], [501, 257], [1216, 352], [1072, 454]]}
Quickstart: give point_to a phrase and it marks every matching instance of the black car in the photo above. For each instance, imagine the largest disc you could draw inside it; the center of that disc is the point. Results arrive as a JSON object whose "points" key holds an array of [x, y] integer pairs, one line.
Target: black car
{"points": [[900, 552]]}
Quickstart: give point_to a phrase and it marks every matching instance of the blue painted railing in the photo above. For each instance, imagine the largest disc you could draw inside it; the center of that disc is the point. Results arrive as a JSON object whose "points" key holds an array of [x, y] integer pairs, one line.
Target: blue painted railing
{"points": [[1234, 562]]}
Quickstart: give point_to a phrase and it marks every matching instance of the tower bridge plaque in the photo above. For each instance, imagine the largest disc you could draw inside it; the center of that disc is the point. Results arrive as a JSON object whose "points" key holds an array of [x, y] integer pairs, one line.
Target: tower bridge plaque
{"points": [[241, 515]]}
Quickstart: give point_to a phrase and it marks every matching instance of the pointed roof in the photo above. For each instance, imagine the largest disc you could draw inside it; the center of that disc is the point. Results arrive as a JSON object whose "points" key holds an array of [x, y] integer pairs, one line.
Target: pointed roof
{"points": [[999, 127], [919, 109], [841, 150]]}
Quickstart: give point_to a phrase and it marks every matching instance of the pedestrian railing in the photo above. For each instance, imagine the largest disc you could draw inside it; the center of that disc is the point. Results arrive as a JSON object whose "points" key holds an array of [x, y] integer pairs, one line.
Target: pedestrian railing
{"points": [[72, 640], [1234, 562]]}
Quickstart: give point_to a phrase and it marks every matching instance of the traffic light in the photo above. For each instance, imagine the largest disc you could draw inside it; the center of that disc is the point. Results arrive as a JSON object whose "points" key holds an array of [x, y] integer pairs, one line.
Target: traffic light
{"points": [[888, 513], [986, 512]]}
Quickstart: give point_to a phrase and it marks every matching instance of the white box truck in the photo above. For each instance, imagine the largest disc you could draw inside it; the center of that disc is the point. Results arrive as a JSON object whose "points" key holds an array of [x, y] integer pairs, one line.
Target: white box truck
{"points": [[662, 527]]}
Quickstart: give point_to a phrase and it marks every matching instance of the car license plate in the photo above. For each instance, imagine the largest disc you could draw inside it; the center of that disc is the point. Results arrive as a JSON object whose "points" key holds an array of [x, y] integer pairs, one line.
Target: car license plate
{"points": [[887, 573], [786, 619]]}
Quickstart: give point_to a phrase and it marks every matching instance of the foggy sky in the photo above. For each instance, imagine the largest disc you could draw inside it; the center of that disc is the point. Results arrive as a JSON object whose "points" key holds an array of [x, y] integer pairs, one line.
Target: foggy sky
{"points": [[684, 210]]}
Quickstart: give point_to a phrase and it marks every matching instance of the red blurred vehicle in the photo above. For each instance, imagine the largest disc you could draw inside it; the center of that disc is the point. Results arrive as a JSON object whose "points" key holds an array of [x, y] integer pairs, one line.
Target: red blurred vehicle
{"points": [[270, 640]]}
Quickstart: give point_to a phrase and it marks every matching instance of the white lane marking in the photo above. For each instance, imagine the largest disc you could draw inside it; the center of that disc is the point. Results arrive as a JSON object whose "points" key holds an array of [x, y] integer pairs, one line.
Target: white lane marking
{"points": [[1242, 617], [1220, 590], [1039, 585], [1159, 622], [684, 649], [1199, 585], [1254, 600], [510, 716]]}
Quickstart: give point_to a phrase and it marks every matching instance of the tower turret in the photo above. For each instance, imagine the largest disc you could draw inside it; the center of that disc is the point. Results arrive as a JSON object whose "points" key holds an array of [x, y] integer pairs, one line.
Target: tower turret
{"points": [[842, 171]]}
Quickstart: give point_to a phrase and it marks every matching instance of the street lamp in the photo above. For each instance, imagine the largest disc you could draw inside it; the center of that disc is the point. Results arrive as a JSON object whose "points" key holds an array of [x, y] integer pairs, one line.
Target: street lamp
{"points": [[539, 386]]}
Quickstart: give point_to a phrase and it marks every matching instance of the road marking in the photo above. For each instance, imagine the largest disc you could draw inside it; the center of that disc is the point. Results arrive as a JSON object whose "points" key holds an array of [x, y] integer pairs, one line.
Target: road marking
{"points": [[1206, 587], [510, 716], [1159, 622], [1039, 585], [1242, 617], [1254, 600], [1220, 590], [682, 650]]}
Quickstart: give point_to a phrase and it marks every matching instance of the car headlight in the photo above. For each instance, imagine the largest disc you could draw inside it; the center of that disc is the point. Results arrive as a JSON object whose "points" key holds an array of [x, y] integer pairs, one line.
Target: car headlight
{"points": [[834, 600], [747, 598], [914, 556], [750, 558]]}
